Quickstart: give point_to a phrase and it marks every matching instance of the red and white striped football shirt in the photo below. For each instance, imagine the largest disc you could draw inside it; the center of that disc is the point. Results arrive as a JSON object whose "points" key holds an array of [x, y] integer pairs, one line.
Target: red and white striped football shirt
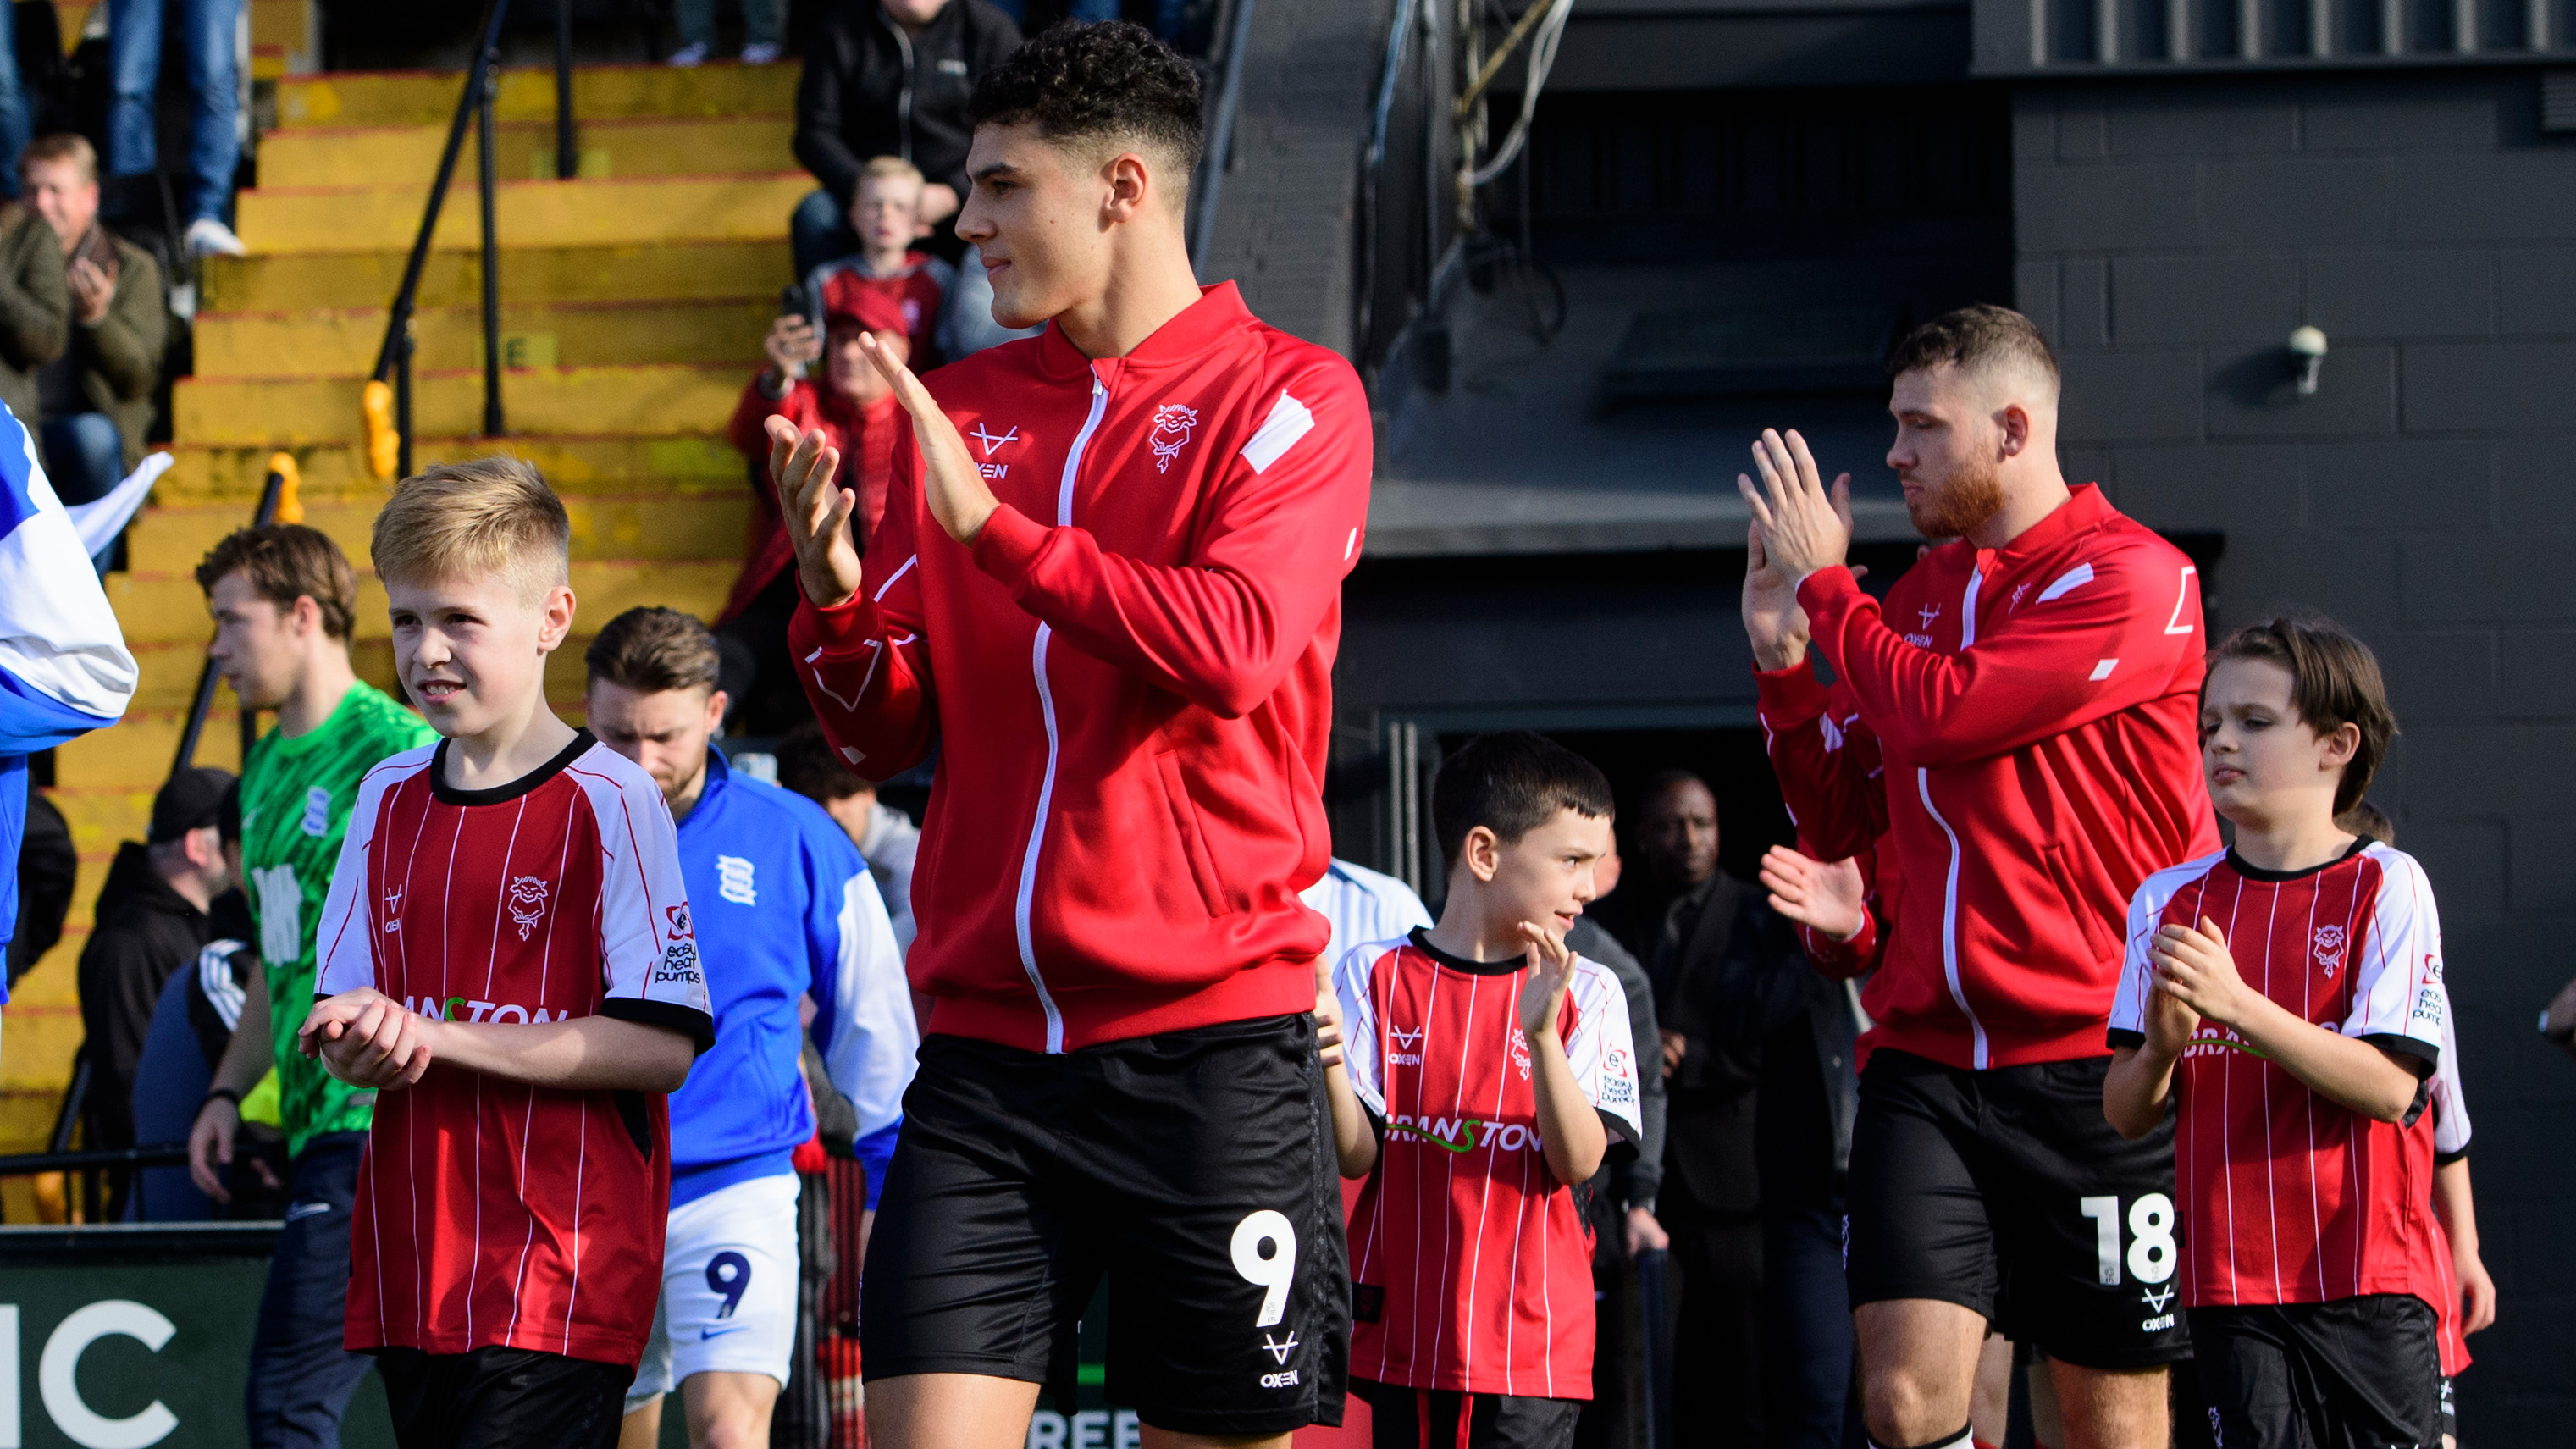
{"points": [[1473, 1270], [489, 1212], [2450, 1113], [2288, 1197]]}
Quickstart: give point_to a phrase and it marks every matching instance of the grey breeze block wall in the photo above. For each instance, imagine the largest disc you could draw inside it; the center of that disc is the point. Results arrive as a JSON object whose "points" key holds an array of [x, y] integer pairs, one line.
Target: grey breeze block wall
{"points": [[2170, 235]]}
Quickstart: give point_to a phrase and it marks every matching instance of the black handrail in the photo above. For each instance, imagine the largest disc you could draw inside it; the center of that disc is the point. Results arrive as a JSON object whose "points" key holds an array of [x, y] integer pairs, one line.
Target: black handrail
{"points": [[159, 1154], [487, 137], [567, 154], [468, 103]]}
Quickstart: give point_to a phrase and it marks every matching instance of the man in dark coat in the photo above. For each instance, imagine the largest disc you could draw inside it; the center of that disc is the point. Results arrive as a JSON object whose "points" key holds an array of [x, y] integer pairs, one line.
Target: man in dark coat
{"points": [[152, 918], [891, 78]]}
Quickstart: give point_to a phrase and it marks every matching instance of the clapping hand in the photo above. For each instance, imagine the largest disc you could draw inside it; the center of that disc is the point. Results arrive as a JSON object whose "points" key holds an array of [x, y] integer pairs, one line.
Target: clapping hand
{"points": [[806, 470], [93, 289], [1827, 896], [2195, 977], [951, 484], [1328, 1016], [1802, 526]]}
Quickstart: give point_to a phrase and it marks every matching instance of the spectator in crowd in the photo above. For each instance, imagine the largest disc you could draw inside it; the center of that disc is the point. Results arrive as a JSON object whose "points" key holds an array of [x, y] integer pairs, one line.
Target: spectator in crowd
{"points": [[886, 837], [854, 406], [152, 918], [47, 869], [891, 78], [1677, 848], [1717, 936], [763, 22], [95, 399], [1363, 907], [207, 33], [35, 311], [886, 216]]}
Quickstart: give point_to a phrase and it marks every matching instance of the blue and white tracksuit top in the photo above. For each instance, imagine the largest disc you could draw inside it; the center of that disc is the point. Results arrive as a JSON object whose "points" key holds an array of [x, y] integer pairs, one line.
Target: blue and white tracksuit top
{"points": [[784, 908], [64, 668]]}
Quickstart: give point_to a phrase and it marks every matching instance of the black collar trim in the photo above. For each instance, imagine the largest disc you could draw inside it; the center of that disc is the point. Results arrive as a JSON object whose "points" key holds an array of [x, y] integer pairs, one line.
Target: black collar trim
{"points": [[2237, 863], [1421, 939], [446, 794]]}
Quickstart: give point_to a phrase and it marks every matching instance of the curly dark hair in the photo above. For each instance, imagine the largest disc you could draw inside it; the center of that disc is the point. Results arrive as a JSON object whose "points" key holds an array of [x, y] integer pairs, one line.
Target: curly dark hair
{"points": [[1109, 81]]}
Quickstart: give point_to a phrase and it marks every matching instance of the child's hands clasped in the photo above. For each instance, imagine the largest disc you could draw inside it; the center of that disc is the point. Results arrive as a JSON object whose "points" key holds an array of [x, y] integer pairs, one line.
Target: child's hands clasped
{"points": [[368, 1039], [2195, 977]]}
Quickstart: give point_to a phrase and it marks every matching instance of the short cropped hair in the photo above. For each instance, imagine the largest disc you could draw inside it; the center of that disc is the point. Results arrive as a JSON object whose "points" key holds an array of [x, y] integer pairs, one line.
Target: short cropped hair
{"points": [[1976, 338], [808, 765], [2334, 681], [1112, 82], [284, 562], [653, 649], [1511, 783], [891, 168], [57, 148], [482, 516]]}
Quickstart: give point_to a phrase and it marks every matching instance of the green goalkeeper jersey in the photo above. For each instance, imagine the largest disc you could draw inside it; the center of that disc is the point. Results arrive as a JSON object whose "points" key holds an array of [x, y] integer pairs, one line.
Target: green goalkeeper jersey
{"points": [[295, 797]]}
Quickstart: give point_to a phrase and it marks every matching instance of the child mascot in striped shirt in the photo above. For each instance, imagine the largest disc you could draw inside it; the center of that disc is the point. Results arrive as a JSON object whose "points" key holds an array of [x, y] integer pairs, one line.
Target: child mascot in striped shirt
{"points": [[2284, 998]]}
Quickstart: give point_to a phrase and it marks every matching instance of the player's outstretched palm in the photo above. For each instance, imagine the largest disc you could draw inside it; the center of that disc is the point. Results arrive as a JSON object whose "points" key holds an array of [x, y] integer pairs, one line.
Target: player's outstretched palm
{"points": [[806, 471], [951, 484], [1804, 527], [1822, 895], [1544, 980]]}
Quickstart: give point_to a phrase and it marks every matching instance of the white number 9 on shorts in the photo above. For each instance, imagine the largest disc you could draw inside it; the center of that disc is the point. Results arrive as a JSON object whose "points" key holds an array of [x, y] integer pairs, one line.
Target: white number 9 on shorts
{"points": [[1273, 1270]]}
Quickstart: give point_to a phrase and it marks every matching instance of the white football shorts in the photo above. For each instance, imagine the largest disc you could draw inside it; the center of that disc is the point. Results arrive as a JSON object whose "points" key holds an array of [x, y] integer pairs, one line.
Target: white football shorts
{"points": [[729, 1268]]}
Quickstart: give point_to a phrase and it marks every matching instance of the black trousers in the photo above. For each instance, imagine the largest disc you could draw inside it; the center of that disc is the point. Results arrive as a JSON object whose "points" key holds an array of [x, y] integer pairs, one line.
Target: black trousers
{"points": [[503, 1398], [1717, 1321]]}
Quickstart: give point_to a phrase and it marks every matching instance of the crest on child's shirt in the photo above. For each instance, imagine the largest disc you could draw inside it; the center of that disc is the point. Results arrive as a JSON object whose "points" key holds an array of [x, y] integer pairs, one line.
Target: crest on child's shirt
{"points": [[1520, 1053], [527, 904], [911, 314], [2329, 947], [1172, 424]]}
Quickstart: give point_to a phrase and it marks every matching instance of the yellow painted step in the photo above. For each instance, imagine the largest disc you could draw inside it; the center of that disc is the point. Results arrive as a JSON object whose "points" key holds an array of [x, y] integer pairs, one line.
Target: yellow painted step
{"points": [[168, 608], [530, 213], [235, 473], [428, 97], [285, 24], [574, 334], [171, 540], [645, 401], [626, 146], [661, 272]]}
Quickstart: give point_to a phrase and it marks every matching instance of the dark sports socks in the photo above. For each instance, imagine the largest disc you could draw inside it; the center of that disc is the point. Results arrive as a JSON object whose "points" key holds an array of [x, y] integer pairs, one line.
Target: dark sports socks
{"points": [[1959, 1438]]}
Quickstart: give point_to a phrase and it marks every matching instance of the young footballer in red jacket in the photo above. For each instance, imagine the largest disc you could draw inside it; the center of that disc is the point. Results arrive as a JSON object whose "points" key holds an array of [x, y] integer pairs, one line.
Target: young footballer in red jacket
{"points": [[2284, 998], [1107, 588], [2013, 732], [1485, 1072]]}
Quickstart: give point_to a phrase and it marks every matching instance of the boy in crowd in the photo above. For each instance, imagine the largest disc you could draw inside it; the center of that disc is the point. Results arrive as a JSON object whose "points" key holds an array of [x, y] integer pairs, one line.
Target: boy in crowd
{"points": [[851, 404], [1483, 1071], [792, 915], [2285, 996], [886, 215], [285, 604], [508, 906]]}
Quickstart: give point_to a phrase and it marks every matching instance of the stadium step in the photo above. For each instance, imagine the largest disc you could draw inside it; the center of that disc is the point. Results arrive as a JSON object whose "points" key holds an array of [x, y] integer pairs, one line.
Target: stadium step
{"points": [[529, 213], [169, 608], [235, 473], [639, 401], [567, 334], [527, 93], [635, 272], [625, 146], [706, 526]]}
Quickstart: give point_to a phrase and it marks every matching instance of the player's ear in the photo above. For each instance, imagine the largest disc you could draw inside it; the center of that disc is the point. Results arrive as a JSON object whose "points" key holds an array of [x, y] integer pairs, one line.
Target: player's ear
{"points": [[1481, 853], [2014, 421], [2339, 745], [1130, 186]]}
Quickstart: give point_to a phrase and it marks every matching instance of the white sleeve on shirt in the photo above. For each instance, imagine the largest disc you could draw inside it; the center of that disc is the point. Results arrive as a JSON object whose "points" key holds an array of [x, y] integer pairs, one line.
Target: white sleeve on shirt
{"points": [[344, 945], [1363, 1044], [2397, 975], [2138, 961], [2450, 1107], [1603, 1049], [648, 945], [870, 1040]]}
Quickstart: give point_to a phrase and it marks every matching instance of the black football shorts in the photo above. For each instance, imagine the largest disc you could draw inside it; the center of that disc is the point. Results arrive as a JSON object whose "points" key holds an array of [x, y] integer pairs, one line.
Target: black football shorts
{"points": [[1193, 1169], [2007, 1192], [2352, 1373]]}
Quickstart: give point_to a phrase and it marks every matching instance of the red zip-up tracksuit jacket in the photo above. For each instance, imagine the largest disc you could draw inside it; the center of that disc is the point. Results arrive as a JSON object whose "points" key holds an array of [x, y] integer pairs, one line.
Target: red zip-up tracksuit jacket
{"points": [[2020, 728], [1129, 675]]}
